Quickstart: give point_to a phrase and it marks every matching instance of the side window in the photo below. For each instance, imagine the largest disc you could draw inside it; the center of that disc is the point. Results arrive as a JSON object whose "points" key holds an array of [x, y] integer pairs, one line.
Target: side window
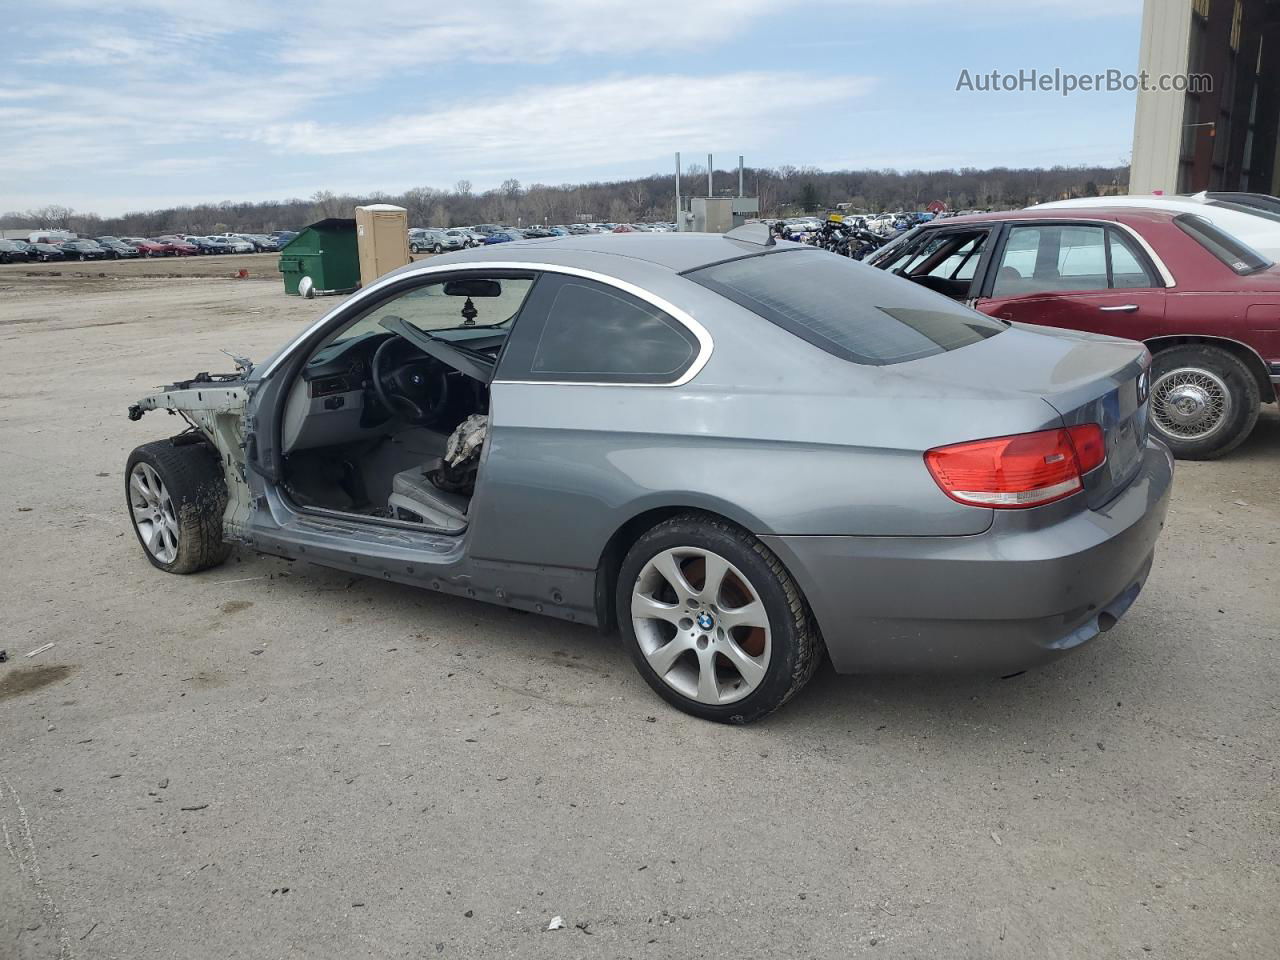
{"points": [[580, 331], [1052, 258], [1128, 270]]}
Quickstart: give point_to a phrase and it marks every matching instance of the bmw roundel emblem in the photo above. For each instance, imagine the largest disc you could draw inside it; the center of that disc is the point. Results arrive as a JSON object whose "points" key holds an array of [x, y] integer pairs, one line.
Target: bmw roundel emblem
{"points": [[705, 622]]}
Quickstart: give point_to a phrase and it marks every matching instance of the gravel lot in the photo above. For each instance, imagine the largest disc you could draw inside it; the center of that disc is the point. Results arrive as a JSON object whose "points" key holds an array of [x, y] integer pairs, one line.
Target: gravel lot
{"points": [[270, 760]]}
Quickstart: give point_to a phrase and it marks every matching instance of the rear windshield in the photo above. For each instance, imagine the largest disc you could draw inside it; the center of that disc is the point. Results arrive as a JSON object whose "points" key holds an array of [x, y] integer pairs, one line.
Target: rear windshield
{"points": [[846, 308], [1235, 253]]}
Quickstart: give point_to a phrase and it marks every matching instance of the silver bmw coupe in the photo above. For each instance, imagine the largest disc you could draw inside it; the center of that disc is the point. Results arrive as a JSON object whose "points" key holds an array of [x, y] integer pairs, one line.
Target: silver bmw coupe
{"points": [[744, 456]]}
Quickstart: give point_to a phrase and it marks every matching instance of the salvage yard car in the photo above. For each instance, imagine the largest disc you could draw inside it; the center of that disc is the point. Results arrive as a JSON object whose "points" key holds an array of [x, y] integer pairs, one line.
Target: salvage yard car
{"points": [[745, 454], [84, 250], [1206, 304], [14, 251], [45, 252]]}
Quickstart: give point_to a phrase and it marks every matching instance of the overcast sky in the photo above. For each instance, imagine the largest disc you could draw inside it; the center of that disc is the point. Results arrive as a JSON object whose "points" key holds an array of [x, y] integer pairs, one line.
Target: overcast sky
{"points": [[115, 105]]}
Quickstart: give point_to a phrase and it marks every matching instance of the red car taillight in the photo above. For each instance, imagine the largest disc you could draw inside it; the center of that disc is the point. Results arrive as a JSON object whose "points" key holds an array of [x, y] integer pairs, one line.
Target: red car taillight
{"points": [[1026, 470]]}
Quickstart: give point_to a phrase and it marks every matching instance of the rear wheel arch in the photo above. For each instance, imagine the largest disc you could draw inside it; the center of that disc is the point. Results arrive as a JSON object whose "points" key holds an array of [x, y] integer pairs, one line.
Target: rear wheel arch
{"points": [[1243, 352], [625, 536]]}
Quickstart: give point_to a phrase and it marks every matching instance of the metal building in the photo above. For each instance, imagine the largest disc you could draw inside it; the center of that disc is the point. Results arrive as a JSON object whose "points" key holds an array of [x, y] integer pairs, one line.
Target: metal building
{"points": [[714, 214], [1223, 138]]}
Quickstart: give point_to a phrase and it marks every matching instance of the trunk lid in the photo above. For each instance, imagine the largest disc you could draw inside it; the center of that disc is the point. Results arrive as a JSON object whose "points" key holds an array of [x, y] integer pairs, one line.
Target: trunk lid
{"points": [[1084, 377]]}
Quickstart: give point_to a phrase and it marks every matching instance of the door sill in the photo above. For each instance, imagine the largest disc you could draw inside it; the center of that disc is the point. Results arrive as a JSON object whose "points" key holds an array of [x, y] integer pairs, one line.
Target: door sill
{"points": [[365, 520]]}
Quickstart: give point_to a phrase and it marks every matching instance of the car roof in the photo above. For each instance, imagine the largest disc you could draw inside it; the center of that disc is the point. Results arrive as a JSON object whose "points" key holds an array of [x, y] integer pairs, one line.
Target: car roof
{"points": [[675, 251], [1130, 215]]}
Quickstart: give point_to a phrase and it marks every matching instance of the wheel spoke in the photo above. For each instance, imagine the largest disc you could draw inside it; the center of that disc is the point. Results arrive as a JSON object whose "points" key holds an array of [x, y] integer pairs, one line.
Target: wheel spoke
{"points": [[716, 568], [141, 513], [708, 687], [155, 539], [139, 484], [667, 565], [665, 657], [751, 615], [752, 671], [645, 607]]}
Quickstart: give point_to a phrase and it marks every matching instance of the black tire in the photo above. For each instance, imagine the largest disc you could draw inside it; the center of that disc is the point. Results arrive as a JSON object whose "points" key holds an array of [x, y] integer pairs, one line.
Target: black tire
{"points": [[796, 644], [1242, 389], [438, 250], [192, 477]]}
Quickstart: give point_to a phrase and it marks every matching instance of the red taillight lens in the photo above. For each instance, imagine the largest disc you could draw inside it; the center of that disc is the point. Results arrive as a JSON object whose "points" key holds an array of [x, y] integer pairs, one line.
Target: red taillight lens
{"points": [[1090, 444], [1026, 470]]}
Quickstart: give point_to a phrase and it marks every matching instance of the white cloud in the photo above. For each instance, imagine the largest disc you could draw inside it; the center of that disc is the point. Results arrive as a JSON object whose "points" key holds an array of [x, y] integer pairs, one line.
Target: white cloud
{"points": [[589, 124]]}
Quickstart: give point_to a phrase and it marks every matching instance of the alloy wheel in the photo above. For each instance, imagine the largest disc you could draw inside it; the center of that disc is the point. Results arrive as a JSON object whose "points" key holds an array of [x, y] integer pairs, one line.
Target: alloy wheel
{"points": [[1190, 403], [153, 513], [701, 625]]}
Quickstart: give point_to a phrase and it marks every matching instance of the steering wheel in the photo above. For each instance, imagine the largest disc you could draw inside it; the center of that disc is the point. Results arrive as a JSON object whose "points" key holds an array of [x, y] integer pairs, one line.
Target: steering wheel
{"points": [[415, 388]]}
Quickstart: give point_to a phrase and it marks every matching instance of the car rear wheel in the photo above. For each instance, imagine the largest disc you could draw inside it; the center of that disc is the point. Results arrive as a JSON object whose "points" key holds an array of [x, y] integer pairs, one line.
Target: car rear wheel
{"points": [[438, 249], [176, 496], [713, 621], [1204, 401]]}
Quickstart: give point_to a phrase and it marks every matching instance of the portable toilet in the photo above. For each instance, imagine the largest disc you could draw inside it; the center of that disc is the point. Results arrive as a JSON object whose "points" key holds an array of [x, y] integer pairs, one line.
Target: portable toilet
{"points": [[382, 231], [324, 253]]}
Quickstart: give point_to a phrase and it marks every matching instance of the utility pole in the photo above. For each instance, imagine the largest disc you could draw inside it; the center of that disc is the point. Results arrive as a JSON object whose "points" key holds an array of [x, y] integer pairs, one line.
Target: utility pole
{"points": [[679, 217]]}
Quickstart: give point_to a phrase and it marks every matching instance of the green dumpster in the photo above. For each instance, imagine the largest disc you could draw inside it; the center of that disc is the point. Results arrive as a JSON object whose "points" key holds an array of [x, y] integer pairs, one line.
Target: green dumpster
{"points": [[326, 252]]}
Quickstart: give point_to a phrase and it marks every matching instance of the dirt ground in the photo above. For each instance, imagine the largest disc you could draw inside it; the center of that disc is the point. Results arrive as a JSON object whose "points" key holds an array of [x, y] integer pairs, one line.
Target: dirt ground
{"points": [[273, 760]]}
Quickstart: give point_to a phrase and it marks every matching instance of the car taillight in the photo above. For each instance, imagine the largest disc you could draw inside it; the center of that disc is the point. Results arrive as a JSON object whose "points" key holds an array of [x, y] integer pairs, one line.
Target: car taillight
{"points": [[1025, 470]]}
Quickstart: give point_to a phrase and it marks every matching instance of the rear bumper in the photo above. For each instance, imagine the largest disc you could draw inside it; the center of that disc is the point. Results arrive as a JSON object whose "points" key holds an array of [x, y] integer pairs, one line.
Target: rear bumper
{"points": [[1023, 593]]}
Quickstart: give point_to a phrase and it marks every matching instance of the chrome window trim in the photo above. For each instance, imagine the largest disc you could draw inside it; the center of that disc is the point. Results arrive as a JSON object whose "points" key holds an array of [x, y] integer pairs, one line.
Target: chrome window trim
{"points": [[1169, 282], [1067, 220], [705, 343]]}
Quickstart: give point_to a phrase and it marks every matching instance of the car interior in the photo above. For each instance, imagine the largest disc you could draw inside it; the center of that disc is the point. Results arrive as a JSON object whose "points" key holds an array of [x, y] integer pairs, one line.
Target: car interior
{"points": [[387, 417], [944, 261]]}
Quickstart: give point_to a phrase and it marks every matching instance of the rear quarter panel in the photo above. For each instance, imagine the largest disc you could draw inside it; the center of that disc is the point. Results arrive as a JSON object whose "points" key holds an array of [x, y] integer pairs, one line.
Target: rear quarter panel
{"points": [[774, 434]]}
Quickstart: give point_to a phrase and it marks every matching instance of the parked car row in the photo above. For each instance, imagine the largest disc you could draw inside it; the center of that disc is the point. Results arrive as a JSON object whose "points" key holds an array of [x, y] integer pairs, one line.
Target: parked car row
{"points": [[441, 240], [46, 246]]}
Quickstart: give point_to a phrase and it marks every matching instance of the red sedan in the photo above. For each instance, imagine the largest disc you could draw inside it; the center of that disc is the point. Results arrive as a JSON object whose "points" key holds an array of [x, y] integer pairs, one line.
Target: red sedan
{"points": [[177, 246], [147, 248], [1204, 303]]}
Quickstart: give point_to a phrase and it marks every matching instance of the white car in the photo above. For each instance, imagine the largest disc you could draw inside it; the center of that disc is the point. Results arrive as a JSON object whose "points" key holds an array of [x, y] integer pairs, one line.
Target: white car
{"points": [[1257, 228]]}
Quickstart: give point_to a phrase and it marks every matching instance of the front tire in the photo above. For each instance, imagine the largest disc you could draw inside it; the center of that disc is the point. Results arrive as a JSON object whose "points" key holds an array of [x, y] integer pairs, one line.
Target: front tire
{"points": [[713, 621], [1204, 401], [176, 495]]}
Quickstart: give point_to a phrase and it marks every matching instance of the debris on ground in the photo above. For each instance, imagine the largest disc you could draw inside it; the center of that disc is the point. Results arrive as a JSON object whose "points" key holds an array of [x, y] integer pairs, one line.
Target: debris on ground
{"points": [[39, 650], [556, 923], [996, 837]]}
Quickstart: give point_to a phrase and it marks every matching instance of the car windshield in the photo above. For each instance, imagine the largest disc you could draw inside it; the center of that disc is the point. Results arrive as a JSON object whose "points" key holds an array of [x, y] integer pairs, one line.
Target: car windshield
{"points": [[846, 308], [1235, 253], [445, 306]]}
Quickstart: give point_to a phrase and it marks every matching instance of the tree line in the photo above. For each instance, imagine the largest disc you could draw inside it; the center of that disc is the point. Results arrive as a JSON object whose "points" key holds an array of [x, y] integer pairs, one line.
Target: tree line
{"points": [[782, 191]]}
